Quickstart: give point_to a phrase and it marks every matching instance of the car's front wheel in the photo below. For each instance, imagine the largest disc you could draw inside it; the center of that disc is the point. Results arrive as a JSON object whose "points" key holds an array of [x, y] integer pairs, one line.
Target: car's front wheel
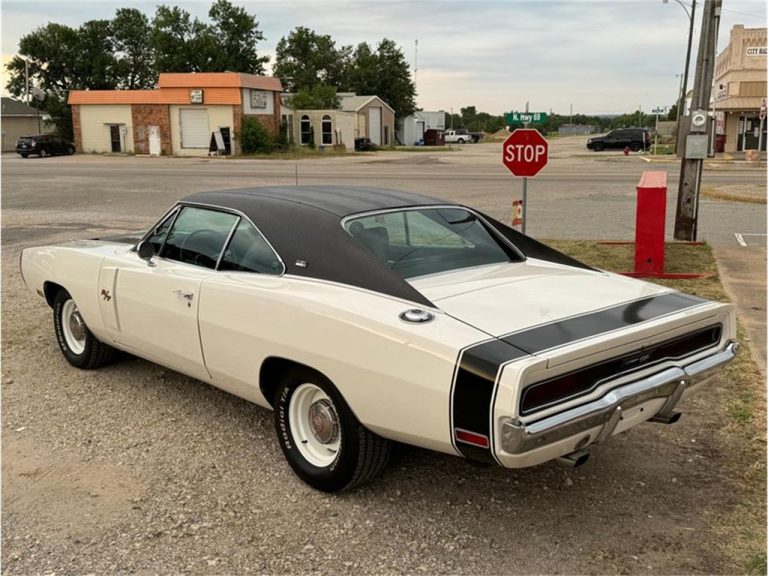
{"points": [[79, 346], [70, 150], [321, 438], [25, 155], [598, 146]]}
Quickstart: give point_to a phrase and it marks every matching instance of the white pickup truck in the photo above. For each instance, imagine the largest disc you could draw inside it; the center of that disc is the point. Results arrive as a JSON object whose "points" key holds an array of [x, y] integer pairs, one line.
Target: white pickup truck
{"points": [[458, 136]]}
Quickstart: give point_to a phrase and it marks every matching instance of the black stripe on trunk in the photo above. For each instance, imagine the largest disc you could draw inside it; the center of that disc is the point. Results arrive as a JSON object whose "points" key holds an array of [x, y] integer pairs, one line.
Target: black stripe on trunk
{"points": [[571, 330]]}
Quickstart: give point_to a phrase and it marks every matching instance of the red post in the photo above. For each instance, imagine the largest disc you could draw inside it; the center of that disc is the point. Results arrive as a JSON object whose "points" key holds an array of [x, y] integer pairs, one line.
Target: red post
{"points": [[649, 225]]}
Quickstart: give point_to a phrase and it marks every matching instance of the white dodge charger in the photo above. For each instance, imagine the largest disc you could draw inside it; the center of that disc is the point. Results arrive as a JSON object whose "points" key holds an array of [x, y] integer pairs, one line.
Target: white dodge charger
{"points": [[364, 316]]}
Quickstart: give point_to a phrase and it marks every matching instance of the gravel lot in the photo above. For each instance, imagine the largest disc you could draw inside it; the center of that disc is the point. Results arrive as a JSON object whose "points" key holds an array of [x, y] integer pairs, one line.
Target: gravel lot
{"points": [[134, 469]]}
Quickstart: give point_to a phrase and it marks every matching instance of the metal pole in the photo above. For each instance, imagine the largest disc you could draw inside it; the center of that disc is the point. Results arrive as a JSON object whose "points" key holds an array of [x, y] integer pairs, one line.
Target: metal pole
{"points": [[525, 201], [26, 77], [691, 17], [680, 104], [525, 182], [759, 142]]}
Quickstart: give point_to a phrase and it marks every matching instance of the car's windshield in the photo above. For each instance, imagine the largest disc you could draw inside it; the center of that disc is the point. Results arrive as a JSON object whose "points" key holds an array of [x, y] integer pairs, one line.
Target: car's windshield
{"points": [[424, 241]]}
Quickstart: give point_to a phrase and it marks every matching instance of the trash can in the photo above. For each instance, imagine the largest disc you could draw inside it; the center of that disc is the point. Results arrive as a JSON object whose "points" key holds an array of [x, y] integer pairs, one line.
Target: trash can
{"points": [[719, 142], [362, 144]]}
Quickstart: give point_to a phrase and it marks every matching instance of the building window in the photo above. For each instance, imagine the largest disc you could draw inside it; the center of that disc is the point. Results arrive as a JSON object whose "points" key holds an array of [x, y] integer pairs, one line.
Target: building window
{"points": [[306, 129], [327, 130]]}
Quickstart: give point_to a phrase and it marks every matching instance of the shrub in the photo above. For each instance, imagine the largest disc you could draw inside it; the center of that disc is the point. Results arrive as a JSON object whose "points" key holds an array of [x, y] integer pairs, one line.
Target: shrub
{"points": [[254, 137]]}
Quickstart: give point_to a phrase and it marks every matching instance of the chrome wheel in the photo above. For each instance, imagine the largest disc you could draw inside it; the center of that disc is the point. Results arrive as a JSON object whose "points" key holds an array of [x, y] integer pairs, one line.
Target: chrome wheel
{"points": [[314, 425], [73, 327]]}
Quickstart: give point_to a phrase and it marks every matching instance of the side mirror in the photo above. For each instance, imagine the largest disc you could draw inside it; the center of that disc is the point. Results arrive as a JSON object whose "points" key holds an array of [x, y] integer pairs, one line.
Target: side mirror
{"points": [[146, 252]]}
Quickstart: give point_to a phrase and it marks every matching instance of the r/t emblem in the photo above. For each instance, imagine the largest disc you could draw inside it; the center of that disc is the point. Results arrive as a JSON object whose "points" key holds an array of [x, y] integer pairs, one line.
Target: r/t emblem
{"points": [[105, 295]]}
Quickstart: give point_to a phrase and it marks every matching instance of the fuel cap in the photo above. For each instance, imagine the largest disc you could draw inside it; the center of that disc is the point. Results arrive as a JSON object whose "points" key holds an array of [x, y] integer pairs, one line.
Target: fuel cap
{"points": [[416, 316]]}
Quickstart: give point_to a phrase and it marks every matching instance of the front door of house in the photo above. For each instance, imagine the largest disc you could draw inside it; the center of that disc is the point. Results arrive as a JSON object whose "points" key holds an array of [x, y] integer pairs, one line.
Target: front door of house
{"points": [[114, 137], [154, 141]]}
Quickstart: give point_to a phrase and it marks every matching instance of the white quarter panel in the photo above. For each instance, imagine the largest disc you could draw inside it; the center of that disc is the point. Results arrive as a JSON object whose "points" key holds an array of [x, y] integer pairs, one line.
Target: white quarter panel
{"points": [[395, 376]]}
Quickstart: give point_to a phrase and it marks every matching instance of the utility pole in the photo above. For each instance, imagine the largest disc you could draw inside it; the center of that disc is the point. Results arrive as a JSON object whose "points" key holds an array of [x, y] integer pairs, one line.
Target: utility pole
{"points": [[686, 215]]}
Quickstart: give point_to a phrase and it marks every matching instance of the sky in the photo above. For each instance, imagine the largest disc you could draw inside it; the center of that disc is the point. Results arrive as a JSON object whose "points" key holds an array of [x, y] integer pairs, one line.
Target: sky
{"points": [[591, 57]]}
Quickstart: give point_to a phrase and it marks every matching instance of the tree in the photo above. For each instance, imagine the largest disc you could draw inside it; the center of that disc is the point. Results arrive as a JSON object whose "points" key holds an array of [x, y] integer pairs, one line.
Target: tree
{"points": [[133, 49], [318, 97], [60, 59], [237, 33], [172, 36], [384, 73], [306, 59], [672, 114]]}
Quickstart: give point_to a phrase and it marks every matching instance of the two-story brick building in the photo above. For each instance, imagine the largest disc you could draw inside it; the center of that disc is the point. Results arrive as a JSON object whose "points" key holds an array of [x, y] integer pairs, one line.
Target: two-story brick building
{"points": [[739, 88], [181, 116]]}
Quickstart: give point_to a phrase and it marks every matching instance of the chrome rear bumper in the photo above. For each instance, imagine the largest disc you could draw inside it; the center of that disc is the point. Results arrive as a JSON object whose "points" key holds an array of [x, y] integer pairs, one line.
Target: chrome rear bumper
{"points": [[606, 412]]}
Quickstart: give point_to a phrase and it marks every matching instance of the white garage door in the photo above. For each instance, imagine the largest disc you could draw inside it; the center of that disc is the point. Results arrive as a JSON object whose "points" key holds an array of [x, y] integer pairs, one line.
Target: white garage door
{"points": [[374, 125], [194, 128]]}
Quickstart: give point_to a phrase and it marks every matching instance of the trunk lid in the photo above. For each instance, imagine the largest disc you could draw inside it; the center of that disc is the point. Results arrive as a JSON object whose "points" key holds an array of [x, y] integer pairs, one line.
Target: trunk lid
{"points": [[505, 298]]}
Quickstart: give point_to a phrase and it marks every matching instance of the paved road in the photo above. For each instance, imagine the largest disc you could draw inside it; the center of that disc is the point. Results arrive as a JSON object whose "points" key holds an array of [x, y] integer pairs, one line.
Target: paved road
{"points": [[576, 196]]}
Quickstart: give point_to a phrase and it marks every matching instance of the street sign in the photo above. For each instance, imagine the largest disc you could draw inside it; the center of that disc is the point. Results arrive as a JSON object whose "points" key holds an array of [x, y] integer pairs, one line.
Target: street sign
{"points": [[658, 111], [525, 152], [525, 117], [762, 109], [517, 213]]}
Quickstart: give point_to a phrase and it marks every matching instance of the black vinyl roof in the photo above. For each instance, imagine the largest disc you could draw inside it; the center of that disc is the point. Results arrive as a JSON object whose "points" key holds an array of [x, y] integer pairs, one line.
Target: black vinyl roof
{"points": [[303, 224], [338, 200]]}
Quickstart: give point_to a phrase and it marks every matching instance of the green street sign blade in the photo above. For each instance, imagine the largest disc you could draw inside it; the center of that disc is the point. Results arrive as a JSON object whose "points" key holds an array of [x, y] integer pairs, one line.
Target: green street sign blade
{"points": [[525, 117]]}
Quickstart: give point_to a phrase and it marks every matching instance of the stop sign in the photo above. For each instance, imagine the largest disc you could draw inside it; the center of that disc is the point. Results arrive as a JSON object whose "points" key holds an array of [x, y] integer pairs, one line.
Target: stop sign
{"points": [[525, 152]]}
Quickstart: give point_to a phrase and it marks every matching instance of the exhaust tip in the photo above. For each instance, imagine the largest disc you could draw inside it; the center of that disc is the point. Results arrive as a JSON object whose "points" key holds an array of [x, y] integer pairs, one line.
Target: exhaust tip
{"points": [[667, 418], [574, 459]]}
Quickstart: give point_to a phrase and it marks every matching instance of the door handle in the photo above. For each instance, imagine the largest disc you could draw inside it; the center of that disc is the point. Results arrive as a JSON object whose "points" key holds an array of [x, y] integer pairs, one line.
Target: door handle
{"points": [[184, 294]]}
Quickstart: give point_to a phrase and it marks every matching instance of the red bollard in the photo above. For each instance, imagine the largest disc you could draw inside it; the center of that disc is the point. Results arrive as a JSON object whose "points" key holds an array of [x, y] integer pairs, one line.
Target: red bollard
{"points": [[650, 223], [626, 150]]}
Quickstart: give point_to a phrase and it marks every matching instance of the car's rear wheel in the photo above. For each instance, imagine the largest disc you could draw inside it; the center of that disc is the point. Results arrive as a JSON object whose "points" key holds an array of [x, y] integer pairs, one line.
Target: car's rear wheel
{"points": [[321, 438], [461, 140], [70, 150], [598, 146], [635, 146], [79, 346], [25, 155], [43, 153]]}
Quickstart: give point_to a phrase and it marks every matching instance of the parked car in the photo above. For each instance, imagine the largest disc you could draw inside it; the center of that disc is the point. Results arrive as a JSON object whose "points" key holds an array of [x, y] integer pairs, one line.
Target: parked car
{"points": [[458, 136], [366, 316], [43, 145], [635, 139]]}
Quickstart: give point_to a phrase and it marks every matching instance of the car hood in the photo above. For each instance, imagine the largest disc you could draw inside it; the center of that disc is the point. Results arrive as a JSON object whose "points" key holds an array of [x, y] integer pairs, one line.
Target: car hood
{"points": [[499, 299]]}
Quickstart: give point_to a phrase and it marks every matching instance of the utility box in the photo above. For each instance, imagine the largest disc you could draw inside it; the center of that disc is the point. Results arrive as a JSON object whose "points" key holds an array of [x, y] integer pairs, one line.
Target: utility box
{"points": [[650, 223], [696, 146]]}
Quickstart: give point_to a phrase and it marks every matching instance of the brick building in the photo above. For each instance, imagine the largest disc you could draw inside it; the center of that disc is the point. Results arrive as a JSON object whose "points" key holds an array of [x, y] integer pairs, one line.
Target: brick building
{"points": [[739, 87], [180, 117]]}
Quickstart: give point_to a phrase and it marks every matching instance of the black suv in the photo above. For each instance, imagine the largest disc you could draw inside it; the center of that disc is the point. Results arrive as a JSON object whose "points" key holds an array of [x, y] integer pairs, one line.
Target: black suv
{"points": [[635, 139], [43, 145]]}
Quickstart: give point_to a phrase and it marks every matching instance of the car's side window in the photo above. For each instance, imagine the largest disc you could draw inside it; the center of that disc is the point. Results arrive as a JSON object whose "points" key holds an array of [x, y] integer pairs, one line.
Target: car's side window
{"points": [[248, 251], [159, 232], [198, 235]]}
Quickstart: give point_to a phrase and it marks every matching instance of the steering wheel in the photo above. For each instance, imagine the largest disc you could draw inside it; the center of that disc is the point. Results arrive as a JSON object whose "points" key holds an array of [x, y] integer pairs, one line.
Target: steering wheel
{"points": [[200, 245]]}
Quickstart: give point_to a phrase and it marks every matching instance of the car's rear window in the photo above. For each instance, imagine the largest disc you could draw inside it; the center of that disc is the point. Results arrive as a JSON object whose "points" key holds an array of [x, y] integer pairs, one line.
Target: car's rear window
{"points": [[417, 242]]}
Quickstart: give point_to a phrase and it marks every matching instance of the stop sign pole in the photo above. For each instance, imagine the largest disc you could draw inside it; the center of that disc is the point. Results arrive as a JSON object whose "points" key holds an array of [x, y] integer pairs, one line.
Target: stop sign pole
{"points": [[525, 152]]}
